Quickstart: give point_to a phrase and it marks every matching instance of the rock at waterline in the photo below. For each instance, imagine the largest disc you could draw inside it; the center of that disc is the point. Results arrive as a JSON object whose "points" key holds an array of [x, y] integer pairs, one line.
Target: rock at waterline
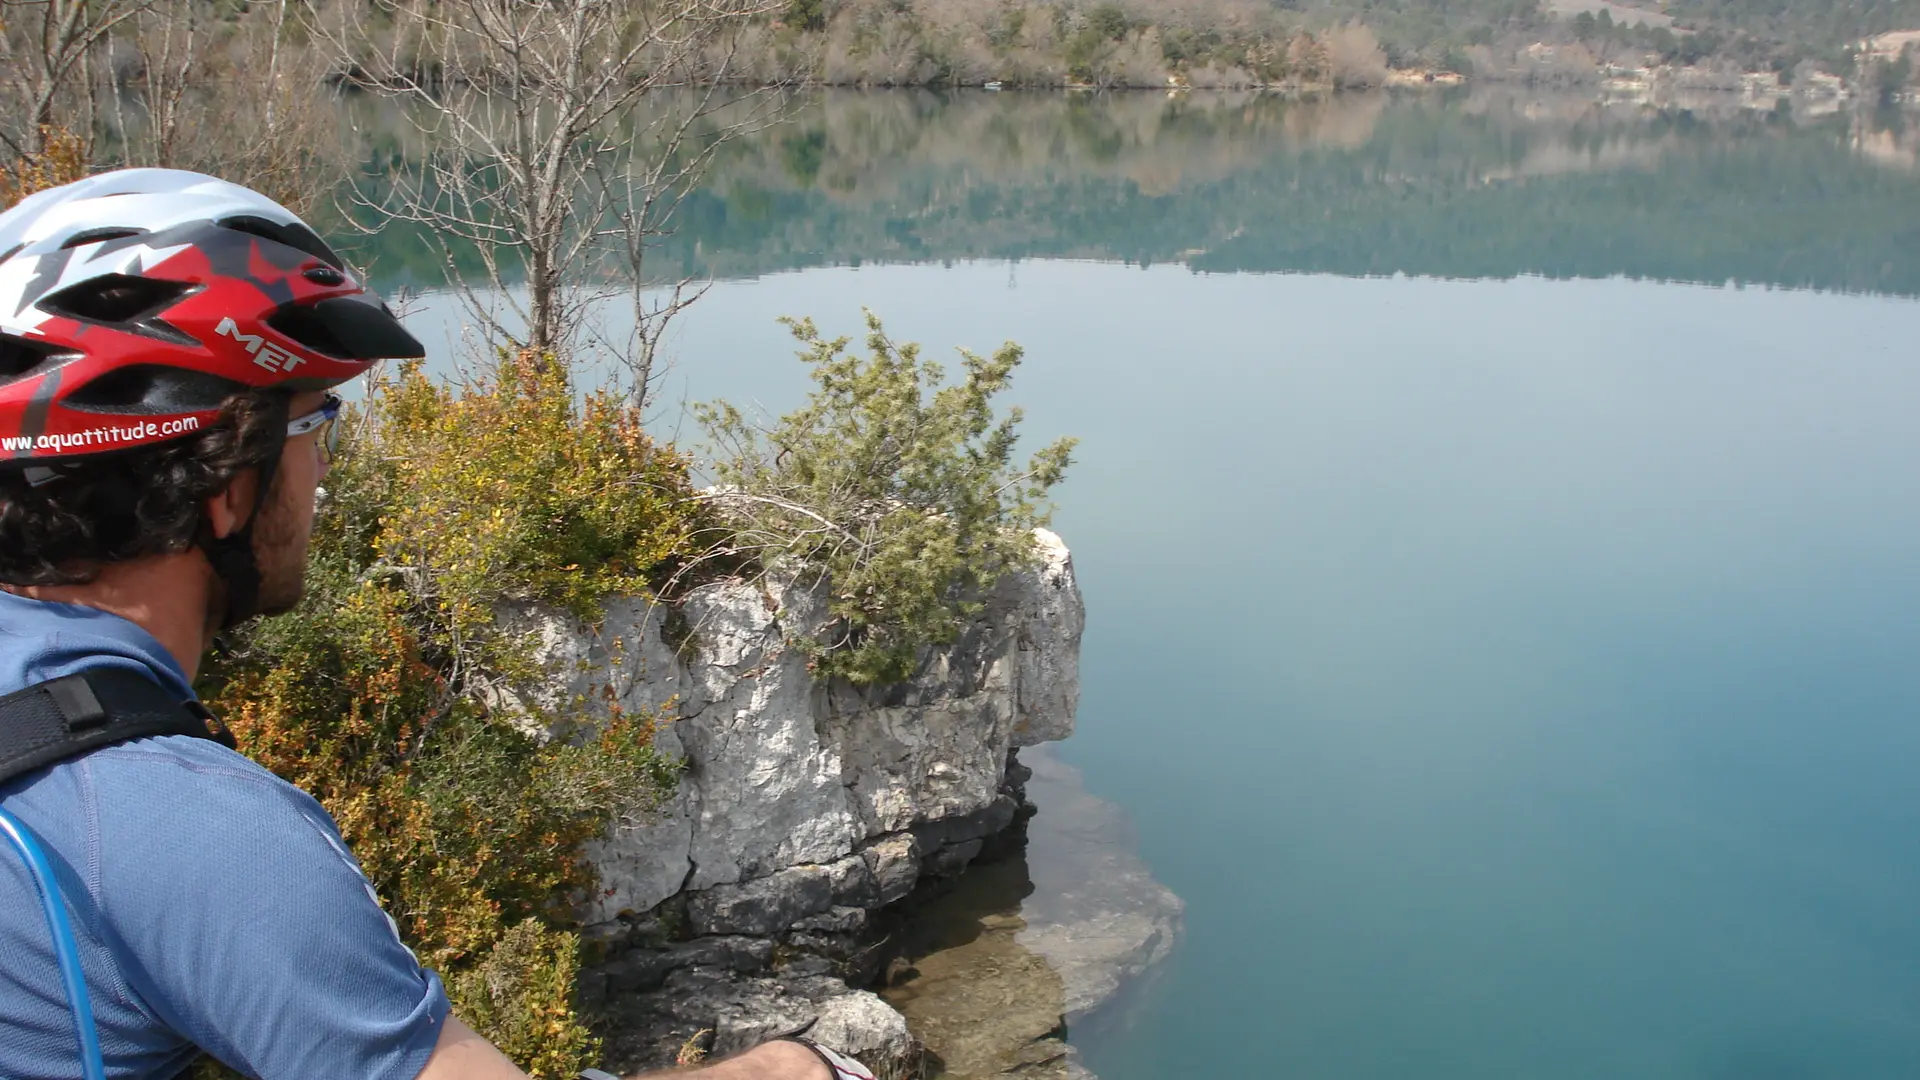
{"points": [[1026, 945]]}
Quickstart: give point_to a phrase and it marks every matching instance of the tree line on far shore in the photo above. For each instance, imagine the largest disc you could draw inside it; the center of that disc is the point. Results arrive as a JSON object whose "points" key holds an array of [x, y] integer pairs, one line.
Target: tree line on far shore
{"points": [[1313, 43], [1013, 43]]}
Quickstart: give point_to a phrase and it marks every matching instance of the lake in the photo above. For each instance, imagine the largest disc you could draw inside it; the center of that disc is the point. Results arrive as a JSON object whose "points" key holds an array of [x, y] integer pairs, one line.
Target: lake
{"points": [[1497, 518]]}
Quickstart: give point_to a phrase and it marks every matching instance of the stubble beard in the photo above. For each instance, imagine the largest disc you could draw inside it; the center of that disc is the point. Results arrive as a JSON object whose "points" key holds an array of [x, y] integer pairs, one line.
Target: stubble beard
{"points": [[280, 552]]}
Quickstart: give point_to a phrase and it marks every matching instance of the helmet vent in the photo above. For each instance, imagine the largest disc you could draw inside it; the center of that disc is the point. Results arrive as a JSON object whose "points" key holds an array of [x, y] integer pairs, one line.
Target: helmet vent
{"points": [[95, 236], [20, 357], [115, 299], [166, 331], [153, 390], [296, 236]]}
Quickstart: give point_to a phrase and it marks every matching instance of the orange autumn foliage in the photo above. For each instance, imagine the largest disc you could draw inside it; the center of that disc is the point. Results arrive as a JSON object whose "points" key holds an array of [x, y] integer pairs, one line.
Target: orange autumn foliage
{"points": [[62, 160], [371, 695]]}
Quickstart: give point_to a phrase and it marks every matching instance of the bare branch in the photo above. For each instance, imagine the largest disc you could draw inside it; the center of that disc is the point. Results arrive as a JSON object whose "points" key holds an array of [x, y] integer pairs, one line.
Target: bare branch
{"points": [[769, 500], [532, 157]]}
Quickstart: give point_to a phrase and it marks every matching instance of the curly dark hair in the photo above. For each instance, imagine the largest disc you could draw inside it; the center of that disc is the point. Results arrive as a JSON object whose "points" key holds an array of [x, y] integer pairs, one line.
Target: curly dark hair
{"points": [[124, 506]]}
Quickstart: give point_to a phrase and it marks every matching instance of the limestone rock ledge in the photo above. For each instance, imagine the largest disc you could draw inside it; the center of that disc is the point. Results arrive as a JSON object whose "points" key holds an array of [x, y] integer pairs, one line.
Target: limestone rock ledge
{"points": [[746, 907]]}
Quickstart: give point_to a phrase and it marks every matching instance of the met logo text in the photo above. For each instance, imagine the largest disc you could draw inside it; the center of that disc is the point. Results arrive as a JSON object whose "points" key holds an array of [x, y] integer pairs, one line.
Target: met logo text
{"points": [[265, 353]]}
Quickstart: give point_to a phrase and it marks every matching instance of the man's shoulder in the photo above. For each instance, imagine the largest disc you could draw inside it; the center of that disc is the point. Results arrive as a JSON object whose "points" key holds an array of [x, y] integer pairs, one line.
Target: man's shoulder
{"points": [[184, 753], [173, 809], [165, 774], [184, 768], [232, 904], [184, 782]]}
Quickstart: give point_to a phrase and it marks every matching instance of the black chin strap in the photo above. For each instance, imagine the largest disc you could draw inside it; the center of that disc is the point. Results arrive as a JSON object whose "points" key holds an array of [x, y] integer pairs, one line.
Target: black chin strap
{"points": [[232, 556]]}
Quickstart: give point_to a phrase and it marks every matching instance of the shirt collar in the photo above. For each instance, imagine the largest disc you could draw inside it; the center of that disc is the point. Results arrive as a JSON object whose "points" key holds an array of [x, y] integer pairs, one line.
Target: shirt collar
{"points": [[41, 640]]}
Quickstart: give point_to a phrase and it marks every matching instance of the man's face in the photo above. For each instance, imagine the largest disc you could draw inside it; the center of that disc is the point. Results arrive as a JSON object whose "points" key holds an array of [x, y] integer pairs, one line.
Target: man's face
{"points": [[286, 521]]}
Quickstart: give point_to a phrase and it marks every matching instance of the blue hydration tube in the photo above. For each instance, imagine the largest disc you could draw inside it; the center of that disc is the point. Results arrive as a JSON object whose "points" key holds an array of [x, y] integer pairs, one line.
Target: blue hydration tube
{"points": [[64, 945]]}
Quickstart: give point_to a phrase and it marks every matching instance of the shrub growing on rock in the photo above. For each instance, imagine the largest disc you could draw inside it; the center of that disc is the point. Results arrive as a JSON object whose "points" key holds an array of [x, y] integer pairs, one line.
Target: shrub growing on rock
{"points": [[899, 490], [373, 695]]}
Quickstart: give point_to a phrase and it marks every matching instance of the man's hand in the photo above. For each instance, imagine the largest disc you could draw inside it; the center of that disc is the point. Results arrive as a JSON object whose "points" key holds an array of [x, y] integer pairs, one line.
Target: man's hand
{"points": [[462, 1054], [768, 1061]]}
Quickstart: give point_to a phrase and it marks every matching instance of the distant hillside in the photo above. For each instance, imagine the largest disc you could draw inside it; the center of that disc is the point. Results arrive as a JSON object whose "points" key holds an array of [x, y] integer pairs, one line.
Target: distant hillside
{"points": [[1428, 27], [1816, 23], [1621, 14], [1755, 34]]}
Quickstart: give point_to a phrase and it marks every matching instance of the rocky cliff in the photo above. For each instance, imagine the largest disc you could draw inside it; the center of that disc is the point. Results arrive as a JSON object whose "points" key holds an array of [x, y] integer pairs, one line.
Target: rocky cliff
{"points": [[765, 889]]}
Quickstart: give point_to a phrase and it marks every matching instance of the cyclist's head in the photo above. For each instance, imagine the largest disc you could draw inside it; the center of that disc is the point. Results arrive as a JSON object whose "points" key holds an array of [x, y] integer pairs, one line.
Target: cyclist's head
{"points": [[158, 331]]}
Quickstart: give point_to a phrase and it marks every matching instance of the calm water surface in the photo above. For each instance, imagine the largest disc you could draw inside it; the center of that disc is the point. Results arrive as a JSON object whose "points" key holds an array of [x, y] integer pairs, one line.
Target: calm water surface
{"points": [[1515, 673]]}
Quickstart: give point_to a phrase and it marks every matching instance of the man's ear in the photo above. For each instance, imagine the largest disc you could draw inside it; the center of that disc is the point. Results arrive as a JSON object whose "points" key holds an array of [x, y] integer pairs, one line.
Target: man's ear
{"points": [[227, 512]]}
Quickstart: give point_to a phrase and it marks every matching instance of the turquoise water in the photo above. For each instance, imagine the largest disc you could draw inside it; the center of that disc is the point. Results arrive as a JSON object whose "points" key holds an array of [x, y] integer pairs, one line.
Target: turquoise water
{"points": [[1515, 679], [1515, 675]]}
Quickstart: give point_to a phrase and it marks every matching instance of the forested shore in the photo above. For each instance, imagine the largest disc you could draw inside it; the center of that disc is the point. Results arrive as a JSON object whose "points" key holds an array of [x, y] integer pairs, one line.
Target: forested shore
{"points": [[254, 89], [147, 49]]}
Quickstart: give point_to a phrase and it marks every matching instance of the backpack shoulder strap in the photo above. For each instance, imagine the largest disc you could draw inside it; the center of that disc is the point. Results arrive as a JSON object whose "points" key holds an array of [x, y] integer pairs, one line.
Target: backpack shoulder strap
{"points": [[75, 715]]}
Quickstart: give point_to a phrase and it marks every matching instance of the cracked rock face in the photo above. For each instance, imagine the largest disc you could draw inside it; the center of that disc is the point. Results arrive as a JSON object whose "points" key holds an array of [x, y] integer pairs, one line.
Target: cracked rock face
{"points": [[803, 806], [784, 772]]}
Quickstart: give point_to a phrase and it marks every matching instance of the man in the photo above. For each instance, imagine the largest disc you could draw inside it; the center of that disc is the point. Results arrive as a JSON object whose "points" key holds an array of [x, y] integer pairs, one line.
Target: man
{"points": [[167, 344]]}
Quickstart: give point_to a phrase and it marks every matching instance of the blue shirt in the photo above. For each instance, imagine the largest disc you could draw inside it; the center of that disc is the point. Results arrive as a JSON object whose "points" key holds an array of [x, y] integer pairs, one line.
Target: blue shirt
{"points": [[215, 905]]}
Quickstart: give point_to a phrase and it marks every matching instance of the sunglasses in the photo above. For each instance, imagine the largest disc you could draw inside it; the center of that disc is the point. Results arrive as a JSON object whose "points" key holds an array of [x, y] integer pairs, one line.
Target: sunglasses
{"points": [[320, 420]]}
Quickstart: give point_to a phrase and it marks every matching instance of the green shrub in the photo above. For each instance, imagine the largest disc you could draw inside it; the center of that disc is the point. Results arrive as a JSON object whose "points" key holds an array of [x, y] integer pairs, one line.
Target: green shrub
{"points": [[901, 491], [805, 14], [372, 695], [516, 996]]}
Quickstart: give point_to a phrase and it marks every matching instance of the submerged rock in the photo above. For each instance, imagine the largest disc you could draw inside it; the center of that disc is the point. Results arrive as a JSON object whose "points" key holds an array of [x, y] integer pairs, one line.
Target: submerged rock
{"points": [[999, 967], [1097, 914]]}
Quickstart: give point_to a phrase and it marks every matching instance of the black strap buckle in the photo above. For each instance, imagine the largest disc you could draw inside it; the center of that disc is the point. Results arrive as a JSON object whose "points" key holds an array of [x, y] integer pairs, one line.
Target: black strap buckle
{"points": [[79, 706], [68, 717]]}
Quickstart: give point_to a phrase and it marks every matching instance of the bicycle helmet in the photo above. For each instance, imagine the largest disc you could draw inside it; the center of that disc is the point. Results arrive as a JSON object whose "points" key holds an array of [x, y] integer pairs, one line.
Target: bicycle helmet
{"points": [[134, 302]]}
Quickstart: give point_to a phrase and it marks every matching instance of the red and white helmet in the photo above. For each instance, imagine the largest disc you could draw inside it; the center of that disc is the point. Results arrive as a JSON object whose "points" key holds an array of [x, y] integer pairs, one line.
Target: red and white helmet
{"points": [[134, 302]]}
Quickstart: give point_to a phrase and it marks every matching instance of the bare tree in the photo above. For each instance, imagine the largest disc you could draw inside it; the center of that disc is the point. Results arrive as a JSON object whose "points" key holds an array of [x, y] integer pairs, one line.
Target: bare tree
{"points": [[166, 44], [228, 96], [547, 153], [47, 49], [642, 189]]}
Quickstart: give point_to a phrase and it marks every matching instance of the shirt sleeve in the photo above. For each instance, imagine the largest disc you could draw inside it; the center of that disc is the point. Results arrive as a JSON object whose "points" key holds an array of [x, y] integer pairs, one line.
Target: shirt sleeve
{"points": [[244, 925]]}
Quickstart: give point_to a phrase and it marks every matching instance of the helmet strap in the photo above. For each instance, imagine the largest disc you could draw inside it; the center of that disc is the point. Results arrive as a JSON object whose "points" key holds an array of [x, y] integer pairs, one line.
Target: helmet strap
{"points": [[232, 556]]}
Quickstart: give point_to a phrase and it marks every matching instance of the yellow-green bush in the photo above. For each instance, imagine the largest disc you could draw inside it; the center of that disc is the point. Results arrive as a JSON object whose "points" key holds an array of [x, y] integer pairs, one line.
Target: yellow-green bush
{"points": [[445, 504], [513, 488], [62, 160], [518, 994], [897, 487]]}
